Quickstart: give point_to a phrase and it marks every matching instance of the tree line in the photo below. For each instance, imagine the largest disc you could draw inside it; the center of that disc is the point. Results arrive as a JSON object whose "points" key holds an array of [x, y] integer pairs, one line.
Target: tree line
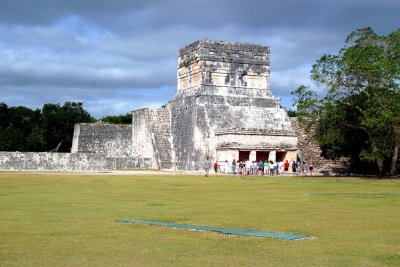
{"points": [[49, 129], [356, 106]]}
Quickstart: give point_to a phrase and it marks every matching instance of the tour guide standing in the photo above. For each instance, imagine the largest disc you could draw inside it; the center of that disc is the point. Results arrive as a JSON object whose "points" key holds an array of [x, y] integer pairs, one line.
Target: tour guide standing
{"points": [[206, 166]]}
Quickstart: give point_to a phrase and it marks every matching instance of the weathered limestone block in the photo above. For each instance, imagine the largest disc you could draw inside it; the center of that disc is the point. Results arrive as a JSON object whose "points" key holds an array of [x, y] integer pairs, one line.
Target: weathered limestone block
{"points": [[188, 141], [109, 139], [78, 162], [151, 134]]}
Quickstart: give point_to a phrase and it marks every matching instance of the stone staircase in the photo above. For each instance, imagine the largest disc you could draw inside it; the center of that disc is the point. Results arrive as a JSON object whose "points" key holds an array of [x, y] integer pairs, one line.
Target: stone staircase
{"points": [[161, 132]]}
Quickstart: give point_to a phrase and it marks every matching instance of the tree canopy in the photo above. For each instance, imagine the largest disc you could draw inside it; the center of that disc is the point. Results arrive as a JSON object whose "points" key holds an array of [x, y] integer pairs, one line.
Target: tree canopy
{"points": [[48, 129], [359, 116], [118, 119]]}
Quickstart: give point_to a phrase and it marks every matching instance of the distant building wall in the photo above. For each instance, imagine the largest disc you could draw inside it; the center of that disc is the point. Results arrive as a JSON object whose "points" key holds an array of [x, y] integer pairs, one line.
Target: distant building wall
{"points": [[79, 162], [109, 139]]}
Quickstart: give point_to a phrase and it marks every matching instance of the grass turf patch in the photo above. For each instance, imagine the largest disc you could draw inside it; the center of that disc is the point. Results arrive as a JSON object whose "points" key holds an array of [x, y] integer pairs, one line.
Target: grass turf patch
{"points": [[68, 220]]}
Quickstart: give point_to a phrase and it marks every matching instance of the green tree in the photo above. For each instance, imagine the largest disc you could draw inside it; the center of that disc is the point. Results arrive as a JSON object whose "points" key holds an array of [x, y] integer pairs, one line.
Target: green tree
{"points": [[15, 125], [4, 116], [306, 102], [59, 122], [119, 119], [359, 116], [36, 140], [12, 139], [49, 129]]}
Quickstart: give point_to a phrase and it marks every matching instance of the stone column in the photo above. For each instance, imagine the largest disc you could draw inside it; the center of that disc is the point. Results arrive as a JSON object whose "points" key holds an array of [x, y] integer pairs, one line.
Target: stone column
{"points": [[253, 155], [272, 156]]}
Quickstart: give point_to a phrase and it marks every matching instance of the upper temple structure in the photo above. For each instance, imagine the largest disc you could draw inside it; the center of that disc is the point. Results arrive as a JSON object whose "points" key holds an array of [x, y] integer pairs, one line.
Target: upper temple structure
{"points": [[223, 109]]}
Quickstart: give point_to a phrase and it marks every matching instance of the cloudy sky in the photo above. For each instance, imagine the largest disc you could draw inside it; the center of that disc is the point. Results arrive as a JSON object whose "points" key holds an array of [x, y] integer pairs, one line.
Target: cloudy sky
{"points": [[119, 55]]}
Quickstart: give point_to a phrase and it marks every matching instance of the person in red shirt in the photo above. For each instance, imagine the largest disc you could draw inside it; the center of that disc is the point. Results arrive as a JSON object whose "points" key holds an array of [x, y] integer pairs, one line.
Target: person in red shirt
{"points": [[286, 167], [216, 166]]}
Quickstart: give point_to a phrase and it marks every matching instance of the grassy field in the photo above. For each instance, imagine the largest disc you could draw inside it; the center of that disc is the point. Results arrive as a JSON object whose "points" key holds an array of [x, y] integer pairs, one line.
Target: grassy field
{"points": [[69, 220]]}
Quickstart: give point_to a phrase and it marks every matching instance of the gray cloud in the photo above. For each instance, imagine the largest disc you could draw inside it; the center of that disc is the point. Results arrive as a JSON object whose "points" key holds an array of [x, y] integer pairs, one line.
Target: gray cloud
{"points": [[119, 55]]}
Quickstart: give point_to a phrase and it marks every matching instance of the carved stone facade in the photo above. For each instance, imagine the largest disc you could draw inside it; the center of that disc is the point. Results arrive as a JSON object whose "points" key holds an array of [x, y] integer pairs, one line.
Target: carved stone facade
{"points": [[223, 109]]}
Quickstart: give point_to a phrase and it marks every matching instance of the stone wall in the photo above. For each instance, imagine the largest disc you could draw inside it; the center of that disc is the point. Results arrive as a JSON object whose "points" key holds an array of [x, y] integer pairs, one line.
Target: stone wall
{"points": [[189, 142], [309, 149], [151, 134], [109, 139], [75, 162]]}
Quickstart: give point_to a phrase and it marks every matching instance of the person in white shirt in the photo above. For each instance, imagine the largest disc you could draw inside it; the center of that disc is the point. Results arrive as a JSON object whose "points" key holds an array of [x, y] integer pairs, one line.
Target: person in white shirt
{"points": [[280, 165], [248, 167]]}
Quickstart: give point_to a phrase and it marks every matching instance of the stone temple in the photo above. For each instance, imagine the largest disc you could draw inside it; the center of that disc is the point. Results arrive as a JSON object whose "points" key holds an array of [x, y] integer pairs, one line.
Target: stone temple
{"points": [[223, 109]]}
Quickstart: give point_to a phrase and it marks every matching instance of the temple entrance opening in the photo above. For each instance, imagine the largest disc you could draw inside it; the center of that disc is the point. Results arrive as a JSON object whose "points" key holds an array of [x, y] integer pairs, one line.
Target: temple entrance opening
{"points": [[280, 156], [262, 155], [244, 155]]}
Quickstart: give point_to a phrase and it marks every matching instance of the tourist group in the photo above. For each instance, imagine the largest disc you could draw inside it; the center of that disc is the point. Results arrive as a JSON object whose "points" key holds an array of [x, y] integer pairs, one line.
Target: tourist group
{"points": [[266, 168]]}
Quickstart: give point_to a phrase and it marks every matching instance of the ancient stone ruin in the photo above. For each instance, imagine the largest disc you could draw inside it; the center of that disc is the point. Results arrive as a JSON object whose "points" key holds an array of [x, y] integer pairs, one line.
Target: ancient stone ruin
{"points": [[223, 109]]}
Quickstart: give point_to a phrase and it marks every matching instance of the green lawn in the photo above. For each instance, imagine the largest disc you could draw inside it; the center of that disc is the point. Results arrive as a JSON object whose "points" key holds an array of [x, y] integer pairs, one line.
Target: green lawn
{"points": [[69, 220]]}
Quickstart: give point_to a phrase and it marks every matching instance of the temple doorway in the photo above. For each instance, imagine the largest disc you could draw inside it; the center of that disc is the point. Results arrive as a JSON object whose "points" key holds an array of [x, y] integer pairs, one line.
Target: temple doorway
{"points": [[262, 155], [280, 156], [244, 155]]}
